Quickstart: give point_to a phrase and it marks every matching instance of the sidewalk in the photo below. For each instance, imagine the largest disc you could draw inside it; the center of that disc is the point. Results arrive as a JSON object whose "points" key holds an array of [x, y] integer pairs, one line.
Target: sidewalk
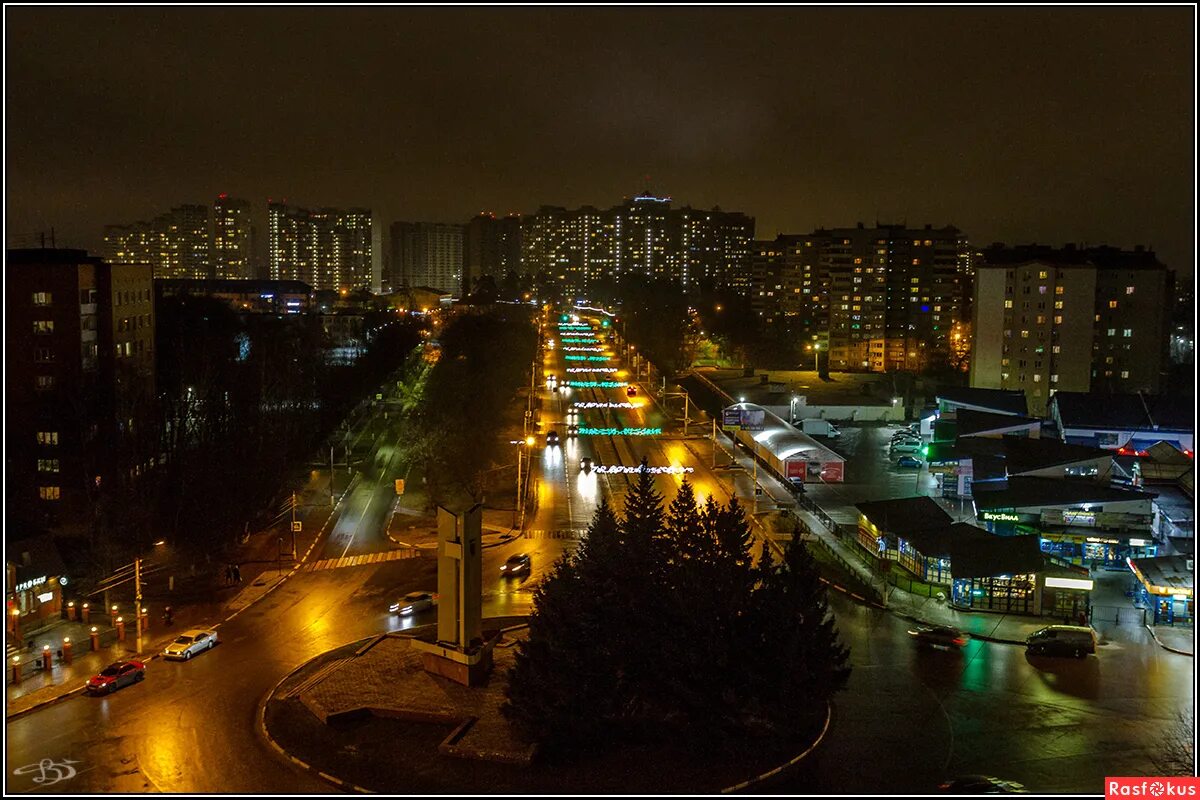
{"points": [[1178, 639], [200, 600]]}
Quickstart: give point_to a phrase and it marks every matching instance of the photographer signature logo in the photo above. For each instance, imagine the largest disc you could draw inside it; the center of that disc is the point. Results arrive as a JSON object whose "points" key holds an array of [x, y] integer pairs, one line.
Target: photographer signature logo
{"points": [[48, 772]]}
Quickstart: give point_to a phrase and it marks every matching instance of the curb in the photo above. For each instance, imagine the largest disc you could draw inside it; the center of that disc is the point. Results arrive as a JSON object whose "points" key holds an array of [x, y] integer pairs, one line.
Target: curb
{"points": [[1168, 648], [262, 730], [737, 787], [27, 711]]}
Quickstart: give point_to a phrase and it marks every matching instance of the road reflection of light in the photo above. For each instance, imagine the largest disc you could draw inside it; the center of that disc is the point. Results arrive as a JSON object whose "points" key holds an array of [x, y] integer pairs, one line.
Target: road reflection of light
{"points": [[572, 447], [552, 456], [588, 486]]}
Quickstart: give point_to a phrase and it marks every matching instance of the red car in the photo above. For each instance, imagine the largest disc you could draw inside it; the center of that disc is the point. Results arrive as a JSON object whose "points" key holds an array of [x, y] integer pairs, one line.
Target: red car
{"points": [[631, 391], [116, 675]]}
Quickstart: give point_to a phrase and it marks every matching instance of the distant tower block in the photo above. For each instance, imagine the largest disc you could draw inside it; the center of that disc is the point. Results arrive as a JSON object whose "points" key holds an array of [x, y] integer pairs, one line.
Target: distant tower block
{"points": [[462, 650]]}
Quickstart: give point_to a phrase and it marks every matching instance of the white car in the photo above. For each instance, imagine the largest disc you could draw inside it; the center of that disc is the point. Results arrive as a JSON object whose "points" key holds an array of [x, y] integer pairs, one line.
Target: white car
{"points": [[906, 447], [190, 643], [413, 602]]}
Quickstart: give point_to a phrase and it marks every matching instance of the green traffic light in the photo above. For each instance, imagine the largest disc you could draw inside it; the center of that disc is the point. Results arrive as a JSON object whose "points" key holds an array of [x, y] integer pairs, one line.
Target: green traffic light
{"points": [[925, 450], [604, 324]]}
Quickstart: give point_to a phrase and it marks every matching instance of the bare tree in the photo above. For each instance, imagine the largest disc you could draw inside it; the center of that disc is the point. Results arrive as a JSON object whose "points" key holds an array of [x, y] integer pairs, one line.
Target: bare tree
{"points": [[1176, 751]]}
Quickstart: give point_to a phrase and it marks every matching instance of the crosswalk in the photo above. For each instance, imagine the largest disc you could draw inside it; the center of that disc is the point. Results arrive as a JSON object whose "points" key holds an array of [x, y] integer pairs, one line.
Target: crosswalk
{"points": [[358, 561]]}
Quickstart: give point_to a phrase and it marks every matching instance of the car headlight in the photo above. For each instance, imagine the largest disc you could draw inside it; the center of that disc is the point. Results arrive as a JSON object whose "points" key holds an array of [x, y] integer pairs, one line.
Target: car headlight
{"points": [[406, 610], [395, 607], [504, 568]]}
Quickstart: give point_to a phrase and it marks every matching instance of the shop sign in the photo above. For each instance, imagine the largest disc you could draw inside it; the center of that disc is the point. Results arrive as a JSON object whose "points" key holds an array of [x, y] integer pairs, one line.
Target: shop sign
{"points": [[29, 584], [1138, 543], [999, 516], [1087, 518], [1069, 583], [1099, 540], [46, 598]]}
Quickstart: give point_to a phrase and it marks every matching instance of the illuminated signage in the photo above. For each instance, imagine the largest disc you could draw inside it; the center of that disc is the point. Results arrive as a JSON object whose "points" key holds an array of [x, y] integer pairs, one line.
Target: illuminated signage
{"points": [[1138, 543], [46, 597], [1079, 517], [620, 431], [597, 384], [586, 358], [583, 349], [619, 470], [29, 584], [1098, 540], [999, 516], [591, 369], [1069, 583], [593, 404]]}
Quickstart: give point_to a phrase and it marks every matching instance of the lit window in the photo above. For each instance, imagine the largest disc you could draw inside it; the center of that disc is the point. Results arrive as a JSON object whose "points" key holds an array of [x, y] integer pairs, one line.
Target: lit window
{"points": [[44, 382], [1124, 373], [1112, 331], [41, 298], [916, 262], [1054, 379], [43, 355], [42, 327], [47, 465], [1128, 332], [1041, 319], [1112, 303], [1058, 319], [1058, 290], [1024, 334], [1043, 275], [1041, 290], [48, 492], [1128, 290], [1037, 378], [1057, 349], [47, 437], [1008, 304], [1058, 304]]}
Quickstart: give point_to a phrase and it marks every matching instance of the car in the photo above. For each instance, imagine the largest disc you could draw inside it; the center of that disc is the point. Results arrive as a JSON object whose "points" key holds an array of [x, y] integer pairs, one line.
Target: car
{"points": [[552, 439], [942, 637], [797, 484], [413, 602], [1062, 640], [981, 784], [516, 565], [189, 643], [909, 461], [572, 428], [904, 437], [631, 391], [552, 380], [585, 465], [906, 447], [116, 675]]}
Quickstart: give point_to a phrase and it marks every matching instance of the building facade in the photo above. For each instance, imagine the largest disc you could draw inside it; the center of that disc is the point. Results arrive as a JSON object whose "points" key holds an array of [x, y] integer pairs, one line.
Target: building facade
{"points": [[881, 299], [427, 254], [233, 239], [1069, 320], [327, 248], [79, 349], [174, 244], [491, 246], [643, 236]]}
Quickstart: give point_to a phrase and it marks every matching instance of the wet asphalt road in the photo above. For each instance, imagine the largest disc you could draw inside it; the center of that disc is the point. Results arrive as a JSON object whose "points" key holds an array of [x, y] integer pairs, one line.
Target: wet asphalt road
{"points": [[908, 719]]}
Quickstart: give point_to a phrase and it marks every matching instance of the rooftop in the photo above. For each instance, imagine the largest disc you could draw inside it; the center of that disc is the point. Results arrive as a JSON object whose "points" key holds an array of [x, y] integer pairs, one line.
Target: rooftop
{"points": [[1000, 401], [905, 515], [784, 441], [1165, 572], [1125, 411], [1027, 492], [970, 422]]}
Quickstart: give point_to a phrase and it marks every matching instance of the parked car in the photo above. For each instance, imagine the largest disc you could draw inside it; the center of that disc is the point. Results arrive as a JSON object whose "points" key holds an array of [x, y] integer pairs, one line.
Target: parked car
{"points": [[116, 675], [820, 427], [552, 439], [797, 484], [1062, 640], [909, 461], [585, 465], [906, 447], [413, 602], [905, 436], [942, 637], [190, 643], [516, 565], [981, 784]]}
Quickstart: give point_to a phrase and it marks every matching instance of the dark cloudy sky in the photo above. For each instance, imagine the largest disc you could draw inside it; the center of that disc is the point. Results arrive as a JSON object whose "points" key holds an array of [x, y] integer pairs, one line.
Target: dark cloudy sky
{"points": [[1050, 125]]}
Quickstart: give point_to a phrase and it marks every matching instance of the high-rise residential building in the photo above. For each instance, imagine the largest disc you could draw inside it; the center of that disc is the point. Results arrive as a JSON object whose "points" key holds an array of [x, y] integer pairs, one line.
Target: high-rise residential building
{"points": [[233, 239], [174, 244], [884, 298], [327, 248], [642, 236], [427, 254], [79, 349], [1070, 319], [491, 246]]}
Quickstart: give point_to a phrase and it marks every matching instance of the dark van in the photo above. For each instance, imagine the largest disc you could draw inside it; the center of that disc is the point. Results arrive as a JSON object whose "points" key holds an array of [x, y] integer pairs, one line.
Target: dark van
{"points": [[1062, 640]]}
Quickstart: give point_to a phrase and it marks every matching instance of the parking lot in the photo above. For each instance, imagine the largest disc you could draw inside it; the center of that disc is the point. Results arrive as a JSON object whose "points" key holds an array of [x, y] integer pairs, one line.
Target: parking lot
{"points": [[872, 474]]}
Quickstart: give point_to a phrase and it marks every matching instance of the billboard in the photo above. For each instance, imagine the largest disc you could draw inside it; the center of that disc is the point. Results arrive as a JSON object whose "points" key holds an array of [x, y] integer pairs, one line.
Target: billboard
{"points": [[745, 419]]}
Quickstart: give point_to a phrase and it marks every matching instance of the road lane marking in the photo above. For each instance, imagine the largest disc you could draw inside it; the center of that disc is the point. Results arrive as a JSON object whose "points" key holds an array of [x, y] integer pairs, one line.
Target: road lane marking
{"points": [[355, 561]]}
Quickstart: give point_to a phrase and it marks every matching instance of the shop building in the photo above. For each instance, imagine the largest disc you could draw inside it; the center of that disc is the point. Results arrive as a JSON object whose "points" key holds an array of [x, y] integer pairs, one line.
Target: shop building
{"points": [[1165, 585], [787, 452], [35, 580]]}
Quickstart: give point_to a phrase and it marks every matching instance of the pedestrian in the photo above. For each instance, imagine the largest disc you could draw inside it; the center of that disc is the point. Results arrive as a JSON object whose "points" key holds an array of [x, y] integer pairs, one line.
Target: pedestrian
{"points": [[237, 574], [228, 574]]}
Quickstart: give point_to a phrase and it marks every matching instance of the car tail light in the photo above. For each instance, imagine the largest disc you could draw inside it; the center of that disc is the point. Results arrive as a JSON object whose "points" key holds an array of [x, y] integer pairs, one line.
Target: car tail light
{"points": [[960, 641]]}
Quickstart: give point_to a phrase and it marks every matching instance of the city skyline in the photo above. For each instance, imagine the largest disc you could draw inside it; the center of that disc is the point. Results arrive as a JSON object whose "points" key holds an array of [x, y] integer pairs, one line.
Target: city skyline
{"points": [[643, 107]]}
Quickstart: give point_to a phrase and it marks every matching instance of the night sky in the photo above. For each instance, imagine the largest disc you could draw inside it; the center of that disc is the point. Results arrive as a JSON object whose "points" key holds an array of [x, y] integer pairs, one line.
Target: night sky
{"points": [[1014, 124]]}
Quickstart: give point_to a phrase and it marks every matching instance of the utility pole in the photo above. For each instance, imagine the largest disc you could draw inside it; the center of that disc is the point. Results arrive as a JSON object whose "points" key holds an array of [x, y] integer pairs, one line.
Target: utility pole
{"points": [[137, 599], [293, 526], [517, 507], [331, 476]]}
